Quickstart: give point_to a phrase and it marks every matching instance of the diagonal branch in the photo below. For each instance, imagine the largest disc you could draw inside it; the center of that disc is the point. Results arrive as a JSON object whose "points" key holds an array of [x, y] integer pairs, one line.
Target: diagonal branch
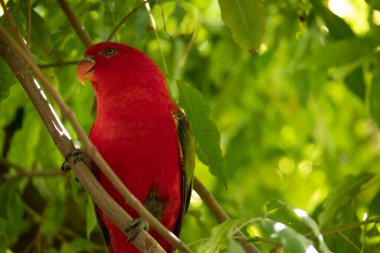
{"points": [[89, 147], [29, 22], [220, 215], [82, 34], [110, 207]]}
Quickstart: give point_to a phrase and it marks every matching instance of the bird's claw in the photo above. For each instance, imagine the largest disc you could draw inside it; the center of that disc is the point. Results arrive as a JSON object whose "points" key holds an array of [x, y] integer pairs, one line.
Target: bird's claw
{"points": [[77, 155], [134, 228]]}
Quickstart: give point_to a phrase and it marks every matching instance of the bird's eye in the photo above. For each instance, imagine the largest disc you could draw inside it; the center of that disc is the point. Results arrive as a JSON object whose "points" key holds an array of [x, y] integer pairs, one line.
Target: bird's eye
{"points": [[108, 52]]}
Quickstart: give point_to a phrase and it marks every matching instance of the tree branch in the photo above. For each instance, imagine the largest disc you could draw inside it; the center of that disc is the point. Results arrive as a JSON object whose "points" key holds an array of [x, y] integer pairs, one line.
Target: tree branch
{"points": [[125, 19], [15, 59], [57, 64], [82, 34], [220, 215], [29, 22]]}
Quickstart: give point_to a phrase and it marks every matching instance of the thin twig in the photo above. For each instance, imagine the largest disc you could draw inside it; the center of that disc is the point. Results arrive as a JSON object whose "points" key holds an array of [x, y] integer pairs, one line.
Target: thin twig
{"points": [[82, 34], [21, 172], [349, 241], [8, 164], [154, 26], [58, 64], [258, 239], [29, 28], [345, 227], [183, 58], [15, 57], [33, 174], [122, 21], [219, 214], [163, 18]]}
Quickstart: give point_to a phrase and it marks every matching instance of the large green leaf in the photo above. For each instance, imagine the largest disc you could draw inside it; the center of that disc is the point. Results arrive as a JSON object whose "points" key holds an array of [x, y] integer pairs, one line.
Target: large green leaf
{"points": [[221, 235], [13, 221], [235, 247], [340, 197], [338, 27], [336, 54], [53, 216], [90, 217], [7, 79], [80, 245], [297, 219], [245, 18], [207, 137], [40, 36], [374, 4], [180, 17], [292, 241]]}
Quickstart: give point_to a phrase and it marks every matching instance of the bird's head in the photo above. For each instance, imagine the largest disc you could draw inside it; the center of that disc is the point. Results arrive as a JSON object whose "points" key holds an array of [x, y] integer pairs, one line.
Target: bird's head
{"points": [[118, 67]]}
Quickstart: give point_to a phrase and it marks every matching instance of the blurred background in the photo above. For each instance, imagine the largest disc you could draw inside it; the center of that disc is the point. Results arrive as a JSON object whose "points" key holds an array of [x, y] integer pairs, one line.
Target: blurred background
{"points": [[298, 118]]}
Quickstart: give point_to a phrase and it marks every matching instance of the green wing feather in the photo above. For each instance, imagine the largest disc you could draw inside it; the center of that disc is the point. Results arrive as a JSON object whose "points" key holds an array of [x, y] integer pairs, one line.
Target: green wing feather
{"points": [[187, 152]]}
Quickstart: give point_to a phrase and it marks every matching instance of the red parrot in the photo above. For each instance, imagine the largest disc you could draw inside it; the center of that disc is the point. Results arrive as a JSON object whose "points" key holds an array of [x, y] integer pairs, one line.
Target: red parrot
{"points": [[142, 134]]}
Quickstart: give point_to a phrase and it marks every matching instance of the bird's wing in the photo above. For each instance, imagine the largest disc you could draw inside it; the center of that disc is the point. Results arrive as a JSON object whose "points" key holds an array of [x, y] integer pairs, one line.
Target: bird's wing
{"points": [[187, 154]]}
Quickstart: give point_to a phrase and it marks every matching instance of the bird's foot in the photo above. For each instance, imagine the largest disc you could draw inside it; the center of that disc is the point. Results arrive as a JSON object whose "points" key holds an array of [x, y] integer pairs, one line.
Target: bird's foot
{"points": [[134, 228], [77, 155]]}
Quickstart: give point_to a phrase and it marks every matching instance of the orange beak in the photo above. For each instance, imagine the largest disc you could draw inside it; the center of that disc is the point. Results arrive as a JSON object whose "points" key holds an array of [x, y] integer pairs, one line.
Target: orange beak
{"points": [[85, 69]]}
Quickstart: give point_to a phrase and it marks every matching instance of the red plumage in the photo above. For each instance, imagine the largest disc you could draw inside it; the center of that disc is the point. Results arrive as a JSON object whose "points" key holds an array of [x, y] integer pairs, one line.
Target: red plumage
{"points": [[136, 132]]}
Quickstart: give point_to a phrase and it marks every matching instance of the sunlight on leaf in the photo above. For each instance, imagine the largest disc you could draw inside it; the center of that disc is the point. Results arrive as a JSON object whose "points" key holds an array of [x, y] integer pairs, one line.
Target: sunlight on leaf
{"points": [[245, 18], [353, 11]]}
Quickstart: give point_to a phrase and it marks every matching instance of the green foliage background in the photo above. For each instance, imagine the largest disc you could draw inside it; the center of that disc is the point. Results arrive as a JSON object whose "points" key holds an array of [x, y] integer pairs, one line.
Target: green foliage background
{"points": [[297, 108]]}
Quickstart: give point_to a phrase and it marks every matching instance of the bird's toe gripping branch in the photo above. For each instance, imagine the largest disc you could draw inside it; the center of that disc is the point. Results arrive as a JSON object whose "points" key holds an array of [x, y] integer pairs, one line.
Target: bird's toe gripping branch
{"points": [[134, 228], [77, 155]]}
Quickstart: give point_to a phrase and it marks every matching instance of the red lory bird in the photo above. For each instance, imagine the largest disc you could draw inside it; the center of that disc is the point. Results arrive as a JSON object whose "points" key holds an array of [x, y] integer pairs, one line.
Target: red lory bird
{"points": [[142, 134]]}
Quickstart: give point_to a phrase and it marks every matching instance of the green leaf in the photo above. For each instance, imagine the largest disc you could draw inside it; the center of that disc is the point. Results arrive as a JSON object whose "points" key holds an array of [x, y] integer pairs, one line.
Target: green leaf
{"points": [[297, 219], [180, 17], [245, 19], [314, 227], [80, 245], [7, 79], [339, 198], [26, 139], [53, 216], [355, 82], [13, 221], [374, 4], [281, 212], [235, 247], [374, 96], [16, 10], [335, 54], [374, 207], [292, 241], [220, 236], [338, 28], [90, 217], [207, 137], [40, 36]]}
